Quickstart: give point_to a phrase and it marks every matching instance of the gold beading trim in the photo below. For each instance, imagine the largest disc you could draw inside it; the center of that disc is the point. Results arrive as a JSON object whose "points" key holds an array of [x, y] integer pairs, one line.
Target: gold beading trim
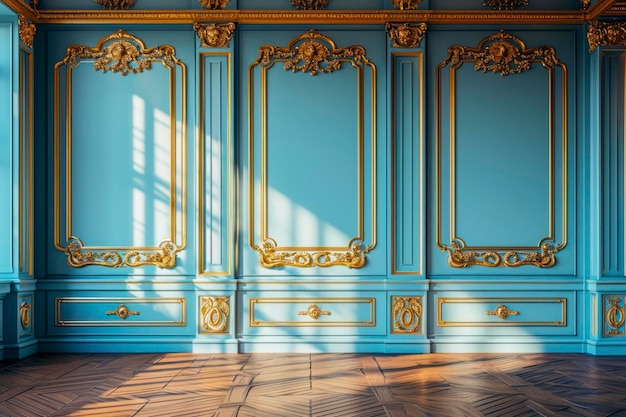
{"points": [[504, 54], [406, 4], [213, 4], [309, 4], [116, 4], [606, 34], [125, 54], [406, 35], [406, 314], [309, 53], [27, 30], [505, 4], [214, 35], [214, 314]]}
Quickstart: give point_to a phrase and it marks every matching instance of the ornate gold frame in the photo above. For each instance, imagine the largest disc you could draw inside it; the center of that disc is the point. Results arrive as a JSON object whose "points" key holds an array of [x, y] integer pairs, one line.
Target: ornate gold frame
{"points": [[500, 302], [516, 58], [312, 311], [321, 60], [202, 163], [134, 58]]}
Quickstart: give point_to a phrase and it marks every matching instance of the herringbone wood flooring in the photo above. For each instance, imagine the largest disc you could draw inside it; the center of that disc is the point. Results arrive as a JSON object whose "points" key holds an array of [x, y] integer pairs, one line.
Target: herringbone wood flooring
{"points": [[298, 385]]}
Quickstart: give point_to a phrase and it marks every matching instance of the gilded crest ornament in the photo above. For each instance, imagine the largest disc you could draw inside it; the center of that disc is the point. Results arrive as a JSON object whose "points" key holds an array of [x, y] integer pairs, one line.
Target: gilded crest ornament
{"points": [[405, 35], [406, 4], [164, 257], [116, 4], [272, 257], [214, 35], [214, 4], [215, 312], [307, 53], [606, 34], [122, 52], [406, 313], [505, 4], [615, 315], [310, 4], [501, 53], [26, 30], [25, 315]]}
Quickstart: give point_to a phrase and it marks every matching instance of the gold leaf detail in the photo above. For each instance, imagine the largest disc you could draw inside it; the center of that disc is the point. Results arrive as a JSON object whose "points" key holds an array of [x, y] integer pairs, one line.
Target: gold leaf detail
{"points": [[406, 4], [165, 257], [406, 313], [214, 4], [116, 4], [25, 308], [121, 52], [214, 35], [310, 4], [215, 312], [314, 311], [502, 312], [306, 53], [501, 53], [26, 30], [505, 4], [270, 257], [405, 35], [461, 258], [606, 34], [122, 312]]}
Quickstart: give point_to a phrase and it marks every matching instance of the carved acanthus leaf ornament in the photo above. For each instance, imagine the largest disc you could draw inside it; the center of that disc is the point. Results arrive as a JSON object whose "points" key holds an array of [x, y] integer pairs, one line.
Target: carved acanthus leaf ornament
{"points": [[505, 4], [214, 35], [406, 4], [116, 4], [214, 4], [310, 4], [406, 35], [272, 257], [26, 30], [606, 34], [215, 312], [165, 257]]}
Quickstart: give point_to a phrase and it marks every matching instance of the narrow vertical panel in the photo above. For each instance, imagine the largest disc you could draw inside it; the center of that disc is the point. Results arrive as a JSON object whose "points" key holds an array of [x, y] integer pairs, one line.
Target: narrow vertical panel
{"points": [[406, 166], [215, 164], [7, 121], [613, 95], [26, 162]]}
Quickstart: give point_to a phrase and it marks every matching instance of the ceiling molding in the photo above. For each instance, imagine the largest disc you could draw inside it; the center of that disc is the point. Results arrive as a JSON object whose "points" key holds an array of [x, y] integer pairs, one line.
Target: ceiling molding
{"points": [[19, 7], [599, 8]]}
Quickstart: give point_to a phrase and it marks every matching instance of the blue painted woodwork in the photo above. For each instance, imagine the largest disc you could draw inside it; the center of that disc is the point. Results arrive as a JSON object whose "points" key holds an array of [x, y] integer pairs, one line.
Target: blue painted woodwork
{"points": [[224, 151]]}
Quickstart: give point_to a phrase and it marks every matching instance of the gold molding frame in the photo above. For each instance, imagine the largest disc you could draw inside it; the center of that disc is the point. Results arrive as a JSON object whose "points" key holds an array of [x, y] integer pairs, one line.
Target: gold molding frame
{"points": [[406, 315], [614, 312], [504, 54], [125, 54], [309, 4], [505, 4], [214, 314], [308, 53], [606, 34], [116, 4], [213, 4], [122, 311], [26, 30], [501, 311], [406, 4], [405, 35], [313, 311], [202, 163], [214, 35], [26, 167]]}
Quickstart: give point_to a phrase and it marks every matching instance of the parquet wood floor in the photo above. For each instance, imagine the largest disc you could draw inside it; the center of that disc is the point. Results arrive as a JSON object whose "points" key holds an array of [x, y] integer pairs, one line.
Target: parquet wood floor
{"points": [[298, 385]]}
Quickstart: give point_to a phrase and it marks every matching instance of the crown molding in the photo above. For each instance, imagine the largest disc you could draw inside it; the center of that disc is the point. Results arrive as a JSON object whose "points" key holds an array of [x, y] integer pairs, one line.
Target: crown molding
{"points": [[19, 7], [600, 8], [268, 17]]}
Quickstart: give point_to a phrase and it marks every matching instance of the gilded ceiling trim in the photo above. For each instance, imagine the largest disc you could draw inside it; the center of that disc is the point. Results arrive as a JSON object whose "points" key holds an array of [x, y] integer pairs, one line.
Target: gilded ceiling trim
{"points": [[505, 4], [315, 54], [277, 17], [606, 34], [214, 35], [27, 30], [125, 54], [502, 54], [116, 4], [405, 35]]}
